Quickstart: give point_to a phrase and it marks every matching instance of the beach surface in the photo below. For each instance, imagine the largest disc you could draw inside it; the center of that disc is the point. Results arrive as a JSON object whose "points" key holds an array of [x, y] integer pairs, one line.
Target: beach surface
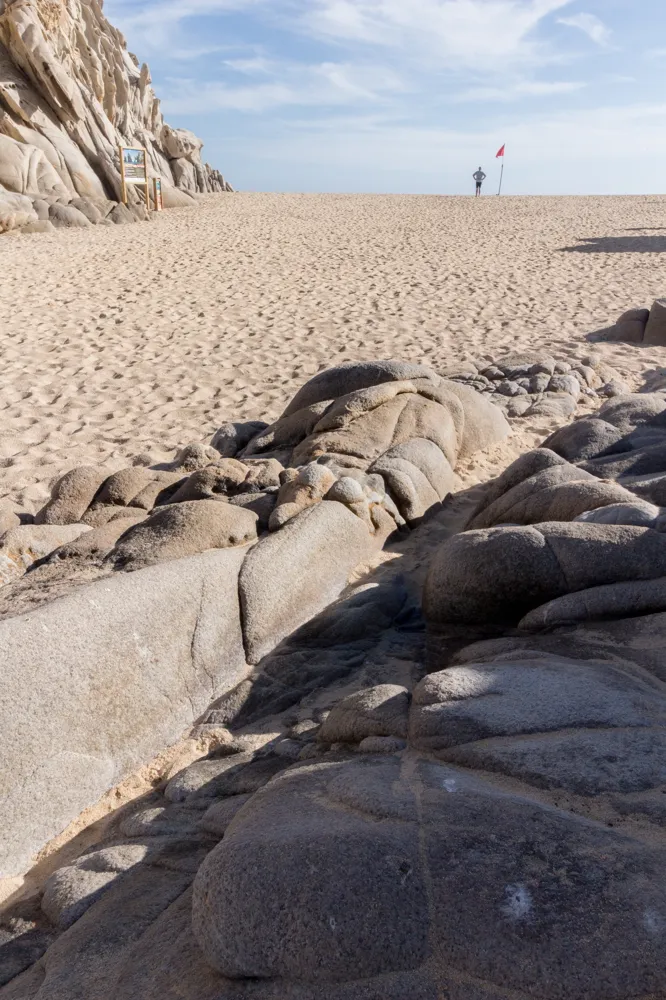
{"points": [[133, 341]]}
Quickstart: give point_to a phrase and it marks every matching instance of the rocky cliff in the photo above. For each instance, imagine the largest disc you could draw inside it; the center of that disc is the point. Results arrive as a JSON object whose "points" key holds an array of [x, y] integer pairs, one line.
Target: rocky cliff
{"points": [[70, 94]]}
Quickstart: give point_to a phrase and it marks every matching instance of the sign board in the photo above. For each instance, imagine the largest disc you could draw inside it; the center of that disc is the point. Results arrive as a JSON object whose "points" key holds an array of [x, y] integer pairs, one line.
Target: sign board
{"points": [[133, 169], [157, 194]]}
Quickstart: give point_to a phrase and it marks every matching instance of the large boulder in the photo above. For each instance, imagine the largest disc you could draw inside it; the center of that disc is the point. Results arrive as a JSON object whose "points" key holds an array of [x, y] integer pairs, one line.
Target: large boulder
{"points": [[479, 701], [231, 438], [173, 197], [25, 544], [557, 494], [180, 143], [16, 211], [68, 217], [406, 880], [115, 676], [584, 438], [24, 169], [484, 424], [296, 572], [376, 711], [87, 208], [497, 575], [418, 476], [184, 529], [608, 601], [655, 330], [72, 495], [351, 377]]}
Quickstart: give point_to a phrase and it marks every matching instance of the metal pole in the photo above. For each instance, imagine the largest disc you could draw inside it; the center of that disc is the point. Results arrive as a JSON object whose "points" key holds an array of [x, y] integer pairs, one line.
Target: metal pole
{"points": [[501, 176]]}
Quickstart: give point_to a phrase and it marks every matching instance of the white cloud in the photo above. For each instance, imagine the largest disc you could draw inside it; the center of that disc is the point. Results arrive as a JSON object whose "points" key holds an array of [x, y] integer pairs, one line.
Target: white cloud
{"points": [[255, 66], [591, 25], [514, 91], [321, 85], [482, 35], [152, 23]]}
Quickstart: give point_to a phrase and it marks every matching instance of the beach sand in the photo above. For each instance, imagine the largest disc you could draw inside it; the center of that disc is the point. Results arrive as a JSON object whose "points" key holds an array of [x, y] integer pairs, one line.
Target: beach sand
{"points": [[123, 341]]}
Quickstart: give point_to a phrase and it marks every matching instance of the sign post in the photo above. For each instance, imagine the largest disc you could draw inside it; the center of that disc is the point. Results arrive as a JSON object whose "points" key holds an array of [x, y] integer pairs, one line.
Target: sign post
{"points": [[157, 194], [134, 170]]}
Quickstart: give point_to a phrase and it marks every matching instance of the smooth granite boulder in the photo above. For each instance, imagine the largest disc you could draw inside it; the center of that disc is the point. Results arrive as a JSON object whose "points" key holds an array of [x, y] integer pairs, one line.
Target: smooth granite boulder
{"points": [[376, 711], [497, 575], [465, 704], [351, 377], [639, 512], [118, 677], [558, 494], [68, 217], [24, 545], [613, 600], [655, 330], [584, 438], [524, 468], [589, 762], [231, 438], [628, 411], [72, 495], [296, 572], [349, 873], [184, 529]]}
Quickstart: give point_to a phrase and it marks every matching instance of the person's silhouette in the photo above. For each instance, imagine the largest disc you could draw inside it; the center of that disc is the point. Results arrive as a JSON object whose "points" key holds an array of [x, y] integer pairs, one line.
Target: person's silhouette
{"points": [[479, 177]]}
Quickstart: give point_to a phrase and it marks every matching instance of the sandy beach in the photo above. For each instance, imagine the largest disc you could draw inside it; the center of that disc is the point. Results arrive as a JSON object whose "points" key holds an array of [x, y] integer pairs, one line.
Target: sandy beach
{"points": [[127, 341]]}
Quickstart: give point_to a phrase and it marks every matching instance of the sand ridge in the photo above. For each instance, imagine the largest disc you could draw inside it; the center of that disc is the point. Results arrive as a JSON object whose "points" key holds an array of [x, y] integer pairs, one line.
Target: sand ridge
{"points": [[124, 341]]}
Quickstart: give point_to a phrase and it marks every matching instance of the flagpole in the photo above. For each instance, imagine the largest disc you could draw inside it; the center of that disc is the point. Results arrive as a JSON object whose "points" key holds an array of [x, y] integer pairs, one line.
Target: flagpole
{"points": [[500, 153]]}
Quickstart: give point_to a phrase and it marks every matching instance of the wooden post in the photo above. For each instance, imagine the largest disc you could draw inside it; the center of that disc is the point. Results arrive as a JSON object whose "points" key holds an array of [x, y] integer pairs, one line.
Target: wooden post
{"points": [[145, 170], [123, 182]]}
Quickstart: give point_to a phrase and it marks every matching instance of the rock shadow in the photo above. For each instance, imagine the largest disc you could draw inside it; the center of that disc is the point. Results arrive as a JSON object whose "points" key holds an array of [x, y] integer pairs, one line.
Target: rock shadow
{"points": [[619, 244]]}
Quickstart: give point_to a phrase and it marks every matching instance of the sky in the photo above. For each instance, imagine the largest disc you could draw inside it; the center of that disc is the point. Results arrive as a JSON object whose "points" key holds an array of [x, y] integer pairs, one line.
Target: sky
{"points": [[411, 96]]}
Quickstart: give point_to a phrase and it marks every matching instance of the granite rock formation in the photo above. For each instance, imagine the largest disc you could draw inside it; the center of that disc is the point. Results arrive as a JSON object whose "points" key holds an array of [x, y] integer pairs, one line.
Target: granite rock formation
{"points": [[638, 326], [70, 94], [362, 451], [455, 792]]}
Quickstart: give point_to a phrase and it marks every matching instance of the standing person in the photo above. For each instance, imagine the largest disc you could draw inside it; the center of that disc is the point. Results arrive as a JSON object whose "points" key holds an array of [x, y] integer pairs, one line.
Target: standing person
{"points": [[479, 177]]}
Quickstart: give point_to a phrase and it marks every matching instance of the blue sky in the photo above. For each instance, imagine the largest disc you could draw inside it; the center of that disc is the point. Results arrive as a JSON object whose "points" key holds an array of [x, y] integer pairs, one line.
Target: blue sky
{"points": [[412, 95]]}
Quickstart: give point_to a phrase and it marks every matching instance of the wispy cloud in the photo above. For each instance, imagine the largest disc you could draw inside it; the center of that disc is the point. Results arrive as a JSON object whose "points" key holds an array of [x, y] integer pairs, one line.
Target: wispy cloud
{"points": [[155, 22], [590, 25], [478, 34], [515, 91], [324, 85], [255, 66]]}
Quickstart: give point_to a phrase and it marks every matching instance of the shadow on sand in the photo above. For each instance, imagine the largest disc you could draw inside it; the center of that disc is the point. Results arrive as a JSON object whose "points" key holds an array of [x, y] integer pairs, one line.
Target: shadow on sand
{"points": [[619, 244]]}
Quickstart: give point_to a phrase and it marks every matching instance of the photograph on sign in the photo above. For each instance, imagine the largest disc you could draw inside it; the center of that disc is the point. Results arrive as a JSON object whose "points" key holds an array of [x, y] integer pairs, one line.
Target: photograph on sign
{"points": [[134, 164]]}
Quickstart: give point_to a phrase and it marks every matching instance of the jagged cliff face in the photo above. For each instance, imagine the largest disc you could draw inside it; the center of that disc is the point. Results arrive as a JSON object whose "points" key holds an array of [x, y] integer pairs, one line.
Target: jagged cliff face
{"points": [[70, 93]]}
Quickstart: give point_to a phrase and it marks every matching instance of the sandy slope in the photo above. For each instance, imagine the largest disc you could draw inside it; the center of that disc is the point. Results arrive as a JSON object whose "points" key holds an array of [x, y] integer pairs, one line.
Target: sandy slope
{"points": [[140, 339]]}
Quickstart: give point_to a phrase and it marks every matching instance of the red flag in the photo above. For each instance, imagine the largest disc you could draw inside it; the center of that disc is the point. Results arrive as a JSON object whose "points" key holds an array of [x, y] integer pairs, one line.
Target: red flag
{"points": [[500, 152]]}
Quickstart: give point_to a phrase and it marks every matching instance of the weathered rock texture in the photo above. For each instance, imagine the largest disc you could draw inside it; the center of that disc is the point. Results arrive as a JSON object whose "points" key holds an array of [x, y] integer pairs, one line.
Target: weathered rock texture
{"points": [[457, 797], [533, 384], [138, 598], [70, 94], [638, 326]]}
